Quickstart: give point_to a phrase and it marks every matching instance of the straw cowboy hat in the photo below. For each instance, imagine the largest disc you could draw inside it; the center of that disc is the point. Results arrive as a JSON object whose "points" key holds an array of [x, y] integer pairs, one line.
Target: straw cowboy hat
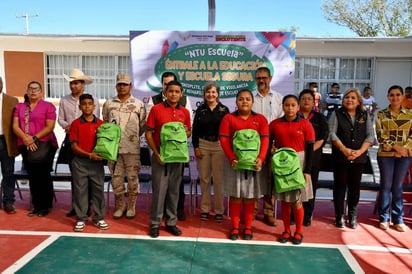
{"points": [[78, 75]]}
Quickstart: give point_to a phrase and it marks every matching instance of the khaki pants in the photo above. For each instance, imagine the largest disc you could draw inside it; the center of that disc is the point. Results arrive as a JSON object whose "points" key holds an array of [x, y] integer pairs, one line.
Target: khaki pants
{"points": [[211, 165]]}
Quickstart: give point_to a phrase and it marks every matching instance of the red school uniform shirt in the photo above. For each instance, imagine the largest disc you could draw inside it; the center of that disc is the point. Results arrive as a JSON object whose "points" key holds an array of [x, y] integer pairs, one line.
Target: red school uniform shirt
{"points": [[164, 113], [294, 134], [83, 133], [232, 122]]}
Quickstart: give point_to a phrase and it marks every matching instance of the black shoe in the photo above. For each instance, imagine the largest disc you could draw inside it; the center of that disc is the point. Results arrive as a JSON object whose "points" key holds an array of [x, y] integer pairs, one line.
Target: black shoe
{"points": [[71, 213], [339, 222], [43, 212], [181, 216], [234, 234], [353, 223], [174, 230], [154, 232], [33, 212], [307, 221], [204, 216], [247, 234]]}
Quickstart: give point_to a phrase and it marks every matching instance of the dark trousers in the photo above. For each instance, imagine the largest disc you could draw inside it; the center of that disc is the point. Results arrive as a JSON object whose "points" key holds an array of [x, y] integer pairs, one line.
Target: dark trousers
{"points": [[347, 176], [40, 180], [7, 170]]}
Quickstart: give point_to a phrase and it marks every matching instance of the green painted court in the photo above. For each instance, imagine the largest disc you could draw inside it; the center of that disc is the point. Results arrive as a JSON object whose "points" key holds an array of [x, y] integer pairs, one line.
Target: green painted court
{"points": [[69, 254]]}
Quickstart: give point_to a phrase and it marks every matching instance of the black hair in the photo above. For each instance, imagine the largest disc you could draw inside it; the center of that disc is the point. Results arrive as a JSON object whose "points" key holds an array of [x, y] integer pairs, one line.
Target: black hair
{"points": [[395, 87], [174, 83], [266, 69], [245, 90], [168, 74], [85, 96], [34, 82], [312, 84], [290, 96], [306, 91], [335, 85]]}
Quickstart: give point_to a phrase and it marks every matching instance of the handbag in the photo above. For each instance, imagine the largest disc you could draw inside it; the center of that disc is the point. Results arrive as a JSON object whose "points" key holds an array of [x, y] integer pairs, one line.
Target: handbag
{"points": [[44, 149]]}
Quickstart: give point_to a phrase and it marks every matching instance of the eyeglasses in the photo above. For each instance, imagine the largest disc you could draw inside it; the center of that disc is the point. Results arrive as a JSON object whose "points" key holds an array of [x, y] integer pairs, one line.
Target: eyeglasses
{"points": [[33, 89]]}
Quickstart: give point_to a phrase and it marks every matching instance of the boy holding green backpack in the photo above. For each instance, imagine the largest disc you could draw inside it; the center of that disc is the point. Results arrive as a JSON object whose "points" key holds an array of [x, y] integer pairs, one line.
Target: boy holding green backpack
{"points": [[87, 166], [167, 172]]}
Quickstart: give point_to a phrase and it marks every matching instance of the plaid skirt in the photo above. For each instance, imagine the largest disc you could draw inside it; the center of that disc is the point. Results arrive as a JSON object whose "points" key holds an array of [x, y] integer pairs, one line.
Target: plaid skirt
{"points": [[299, 195], [245, 183]]}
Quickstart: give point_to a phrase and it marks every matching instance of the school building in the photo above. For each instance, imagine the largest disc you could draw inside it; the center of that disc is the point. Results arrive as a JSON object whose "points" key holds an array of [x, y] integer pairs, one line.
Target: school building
{"points": [[351, 62]]}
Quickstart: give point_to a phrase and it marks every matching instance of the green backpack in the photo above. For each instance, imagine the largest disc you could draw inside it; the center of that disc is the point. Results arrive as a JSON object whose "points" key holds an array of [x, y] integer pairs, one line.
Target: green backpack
{"points": [[173, 143], [107, 143], [286, 169], [246, 146]]}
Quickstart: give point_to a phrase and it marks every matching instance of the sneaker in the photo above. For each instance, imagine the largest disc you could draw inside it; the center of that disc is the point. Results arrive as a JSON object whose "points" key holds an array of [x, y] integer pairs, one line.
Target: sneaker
{"points": [[400, 227], [219, 218], [79, 227], [102, 225], [384, 225]]}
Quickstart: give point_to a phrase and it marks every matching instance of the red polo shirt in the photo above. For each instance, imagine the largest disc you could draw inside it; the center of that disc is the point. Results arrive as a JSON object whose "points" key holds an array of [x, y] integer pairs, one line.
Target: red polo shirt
{"points": [[164, 113], [83, 133]]}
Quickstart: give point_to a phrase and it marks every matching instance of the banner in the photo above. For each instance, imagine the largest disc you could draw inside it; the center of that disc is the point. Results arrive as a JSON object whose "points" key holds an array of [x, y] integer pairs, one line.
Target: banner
{"points": [[196, 57]]}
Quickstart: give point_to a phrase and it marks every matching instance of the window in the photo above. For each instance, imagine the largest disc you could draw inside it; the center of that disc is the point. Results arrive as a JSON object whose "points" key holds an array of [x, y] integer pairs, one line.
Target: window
{"points": [[102, 69], [348, 72]]}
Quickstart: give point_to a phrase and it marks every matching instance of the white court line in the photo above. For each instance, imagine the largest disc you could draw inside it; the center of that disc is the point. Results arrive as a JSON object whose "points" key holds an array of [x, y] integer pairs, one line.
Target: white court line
{"points": [[30, 255], [53, 236]]}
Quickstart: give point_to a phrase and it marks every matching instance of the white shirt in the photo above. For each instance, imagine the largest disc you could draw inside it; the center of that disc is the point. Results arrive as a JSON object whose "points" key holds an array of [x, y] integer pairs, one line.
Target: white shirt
{"points": [[269, 106]]}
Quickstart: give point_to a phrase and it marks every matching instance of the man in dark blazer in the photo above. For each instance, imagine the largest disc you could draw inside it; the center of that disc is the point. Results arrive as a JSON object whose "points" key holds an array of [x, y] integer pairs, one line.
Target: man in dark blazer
{"points": [[8, 149]]}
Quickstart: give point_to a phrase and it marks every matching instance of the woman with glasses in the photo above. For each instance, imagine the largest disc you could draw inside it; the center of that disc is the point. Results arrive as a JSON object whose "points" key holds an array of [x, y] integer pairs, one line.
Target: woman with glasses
{"points": [[33, 124], [394, 134], [351, 134], [318, 121]]}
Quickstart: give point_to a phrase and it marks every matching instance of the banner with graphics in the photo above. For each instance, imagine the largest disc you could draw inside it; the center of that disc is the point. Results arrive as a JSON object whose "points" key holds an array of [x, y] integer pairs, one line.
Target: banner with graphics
{"points": [[196, 57]]}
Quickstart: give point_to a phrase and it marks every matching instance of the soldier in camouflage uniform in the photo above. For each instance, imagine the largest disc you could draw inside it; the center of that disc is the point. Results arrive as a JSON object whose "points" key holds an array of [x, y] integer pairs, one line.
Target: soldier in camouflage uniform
{"points": [[130, 114]]}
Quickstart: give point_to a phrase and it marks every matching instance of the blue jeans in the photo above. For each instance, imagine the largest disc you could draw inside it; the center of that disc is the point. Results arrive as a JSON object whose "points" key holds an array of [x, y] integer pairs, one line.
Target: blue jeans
{"points": [[7, 169], [392, 171]]}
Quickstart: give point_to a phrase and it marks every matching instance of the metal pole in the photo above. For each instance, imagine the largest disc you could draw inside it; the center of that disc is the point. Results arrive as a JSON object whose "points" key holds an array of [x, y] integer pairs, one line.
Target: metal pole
{"points": [[212, 14]]}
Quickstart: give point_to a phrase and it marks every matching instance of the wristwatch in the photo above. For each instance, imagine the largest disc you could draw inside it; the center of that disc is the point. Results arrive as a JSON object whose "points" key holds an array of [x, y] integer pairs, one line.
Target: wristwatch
{"points": [[35, 138]]}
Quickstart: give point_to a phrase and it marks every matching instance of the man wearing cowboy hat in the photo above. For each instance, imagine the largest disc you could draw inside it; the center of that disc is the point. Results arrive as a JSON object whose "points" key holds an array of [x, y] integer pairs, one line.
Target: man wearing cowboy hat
{"points": [[69, 111]]}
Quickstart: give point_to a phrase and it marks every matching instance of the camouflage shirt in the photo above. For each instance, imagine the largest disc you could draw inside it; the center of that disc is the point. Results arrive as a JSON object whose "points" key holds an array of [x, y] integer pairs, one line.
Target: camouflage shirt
{"points": [[131, 117]]}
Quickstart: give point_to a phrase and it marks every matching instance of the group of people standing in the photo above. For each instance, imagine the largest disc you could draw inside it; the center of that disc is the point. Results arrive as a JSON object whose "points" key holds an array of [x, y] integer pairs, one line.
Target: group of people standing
{"points": [[290, 121]]}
